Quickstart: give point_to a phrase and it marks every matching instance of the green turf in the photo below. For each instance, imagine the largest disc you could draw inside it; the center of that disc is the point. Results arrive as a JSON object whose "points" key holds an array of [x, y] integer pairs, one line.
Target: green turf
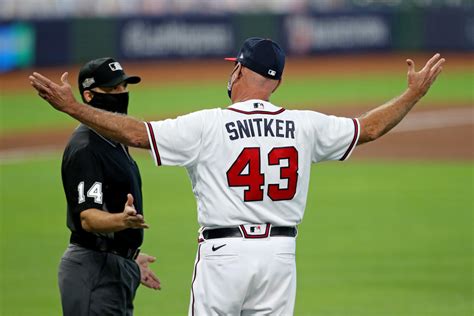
{"points": [[378, 239], [26, 111]]}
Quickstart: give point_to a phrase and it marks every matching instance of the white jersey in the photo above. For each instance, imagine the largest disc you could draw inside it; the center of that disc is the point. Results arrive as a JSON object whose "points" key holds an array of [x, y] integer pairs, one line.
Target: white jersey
{"points": [[250, 163]]}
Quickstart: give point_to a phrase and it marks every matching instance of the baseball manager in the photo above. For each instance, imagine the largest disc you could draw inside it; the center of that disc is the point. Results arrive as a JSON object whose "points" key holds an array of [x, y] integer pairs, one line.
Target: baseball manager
{"points": [[249, 165]]}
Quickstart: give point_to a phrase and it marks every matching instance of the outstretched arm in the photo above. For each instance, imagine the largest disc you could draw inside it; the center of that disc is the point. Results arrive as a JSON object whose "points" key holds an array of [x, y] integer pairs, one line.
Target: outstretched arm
{"points": [[382, 119], [124, 129]]}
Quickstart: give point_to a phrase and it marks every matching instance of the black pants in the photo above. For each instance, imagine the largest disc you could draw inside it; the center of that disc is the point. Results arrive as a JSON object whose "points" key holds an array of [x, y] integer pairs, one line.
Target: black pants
{"points": [[97, 283]]}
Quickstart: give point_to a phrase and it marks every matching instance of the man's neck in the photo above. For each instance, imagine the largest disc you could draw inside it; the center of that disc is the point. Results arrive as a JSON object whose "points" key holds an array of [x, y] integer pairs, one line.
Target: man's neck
{"points": [[250, 96]]}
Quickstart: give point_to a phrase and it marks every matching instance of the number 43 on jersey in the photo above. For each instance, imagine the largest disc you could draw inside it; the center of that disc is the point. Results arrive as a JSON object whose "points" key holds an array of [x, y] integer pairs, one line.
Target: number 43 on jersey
{"points": [[254, 179]]}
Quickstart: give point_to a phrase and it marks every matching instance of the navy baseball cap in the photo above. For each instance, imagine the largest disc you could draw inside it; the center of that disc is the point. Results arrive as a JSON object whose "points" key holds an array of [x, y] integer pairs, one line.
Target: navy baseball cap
{"points": [[103, 72], [263, 56]]}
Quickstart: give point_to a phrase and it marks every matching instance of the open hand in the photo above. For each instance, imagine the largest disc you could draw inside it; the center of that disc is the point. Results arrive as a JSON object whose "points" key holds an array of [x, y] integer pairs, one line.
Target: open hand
{"points": [[59, 96], [148, 277], [130, 216], [420, 82]]}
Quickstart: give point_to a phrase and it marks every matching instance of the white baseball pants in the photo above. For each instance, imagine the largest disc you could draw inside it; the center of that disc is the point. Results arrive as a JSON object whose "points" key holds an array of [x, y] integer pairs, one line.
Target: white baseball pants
{"points": [[238, 276]]}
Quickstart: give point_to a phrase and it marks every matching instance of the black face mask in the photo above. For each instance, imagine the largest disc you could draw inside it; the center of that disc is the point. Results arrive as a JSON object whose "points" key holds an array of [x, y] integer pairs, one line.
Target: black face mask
{"points": [[230, 84], [229, 90], [112, 102]]}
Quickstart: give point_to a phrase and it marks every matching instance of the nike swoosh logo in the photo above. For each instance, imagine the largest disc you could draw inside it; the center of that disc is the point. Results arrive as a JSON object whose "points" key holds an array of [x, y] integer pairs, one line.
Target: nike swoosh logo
{"points": [[214, 248]]}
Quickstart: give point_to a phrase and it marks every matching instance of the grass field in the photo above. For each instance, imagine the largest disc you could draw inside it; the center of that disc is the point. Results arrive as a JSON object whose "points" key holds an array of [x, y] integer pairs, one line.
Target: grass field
{"points": [[378, 238], [26, 111], [367, 246]]}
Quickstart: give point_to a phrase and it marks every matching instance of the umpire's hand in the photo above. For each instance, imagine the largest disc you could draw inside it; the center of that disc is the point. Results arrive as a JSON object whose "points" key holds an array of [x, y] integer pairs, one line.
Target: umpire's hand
{"points": [[131, 218], [148, 277]]}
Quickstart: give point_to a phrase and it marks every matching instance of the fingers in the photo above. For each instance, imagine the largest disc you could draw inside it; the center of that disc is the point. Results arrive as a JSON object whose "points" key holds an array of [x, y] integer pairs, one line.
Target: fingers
{"points": [[438, 64], [432, 61], [131, 218], [144, 260], [42, 85], [435, 74], [135, 220], [42, 79], [155, 281], [38, 85], [129, 208], [64, 78], [411, 66], [130, 211], [129, 200], [150, 280]]}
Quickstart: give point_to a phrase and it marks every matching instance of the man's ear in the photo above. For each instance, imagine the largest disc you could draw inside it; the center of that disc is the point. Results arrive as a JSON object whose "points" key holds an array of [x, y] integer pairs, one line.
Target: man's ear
{"points": [[87, 96], [239, 70]]}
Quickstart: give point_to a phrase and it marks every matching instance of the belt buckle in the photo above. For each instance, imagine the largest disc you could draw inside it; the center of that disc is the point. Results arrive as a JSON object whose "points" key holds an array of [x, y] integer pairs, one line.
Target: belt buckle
{"points": [[255, 230]]}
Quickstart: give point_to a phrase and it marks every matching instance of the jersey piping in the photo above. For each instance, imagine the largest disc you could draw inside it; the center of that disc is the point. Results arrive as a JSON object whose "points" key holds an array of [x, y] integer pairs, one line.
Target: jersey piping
{"points": [[154, 147], [257, 112], [354, 140]]}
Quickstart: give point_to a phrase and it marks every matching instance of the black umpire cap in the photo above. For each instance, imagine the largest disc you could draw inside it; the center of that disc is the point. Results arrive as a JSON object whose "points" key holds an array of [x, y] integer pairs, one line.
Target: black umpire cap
{"points": [[263, 56], [103, 72]]}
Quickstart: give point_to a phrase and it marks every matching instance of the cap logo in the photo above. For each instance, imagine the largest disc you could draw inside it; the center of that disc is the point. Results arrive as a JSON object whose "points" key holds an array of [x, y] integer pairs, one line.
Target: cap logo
{"points": [[115, 66], [241, 56], [272, 72], [88, 82]]}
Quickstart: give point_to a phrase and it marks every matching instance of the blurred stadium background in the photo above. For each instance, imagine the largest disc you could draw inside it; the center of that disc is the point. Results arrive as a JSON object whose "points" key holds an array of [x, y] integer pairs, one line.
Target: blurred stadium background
{"points": [[389, 232]]}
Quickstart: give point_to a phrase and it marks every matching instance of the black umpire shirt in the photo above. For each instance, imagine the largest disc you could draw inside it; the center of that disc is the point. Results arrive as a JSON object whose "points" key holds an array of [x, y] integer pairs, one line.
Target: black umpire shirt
{"points": [[98, 173]]}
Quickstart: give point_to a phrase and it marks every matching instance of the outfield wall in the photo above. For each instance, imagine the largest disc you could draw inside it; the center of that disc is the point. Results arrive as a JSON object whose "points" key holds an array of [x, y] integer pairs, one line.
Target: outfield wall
{"points": [[71, 41]]}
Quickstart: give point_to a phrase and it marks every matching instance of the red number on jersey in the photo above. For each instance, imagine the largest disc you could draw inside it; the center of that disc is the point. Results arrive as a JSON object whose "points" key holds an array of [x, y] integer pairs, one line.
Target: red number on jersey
{"points": [[254, 179], [290, 173]]}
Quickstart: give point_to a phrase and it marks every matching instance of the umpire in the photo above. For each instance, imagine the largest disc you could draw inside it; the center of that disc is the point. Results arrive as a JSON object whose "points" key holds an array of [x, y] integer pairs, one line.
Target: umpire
{"points": [[101, 269]]}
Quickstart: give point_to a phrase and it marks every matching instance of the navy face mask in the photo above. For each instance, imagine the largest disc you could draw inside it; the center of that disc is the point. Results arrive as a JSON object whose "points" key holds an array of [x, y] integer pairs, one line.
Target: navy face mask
{"points": [[230, 84], [112, 102]]}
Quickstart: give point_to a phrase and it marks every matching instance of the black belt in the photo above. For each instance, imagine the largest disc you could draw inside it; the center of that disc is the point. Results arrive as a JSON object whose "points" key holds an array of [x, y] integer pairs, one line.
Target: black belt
{"points": [[104, 246], [235, 232], [129, 253]]}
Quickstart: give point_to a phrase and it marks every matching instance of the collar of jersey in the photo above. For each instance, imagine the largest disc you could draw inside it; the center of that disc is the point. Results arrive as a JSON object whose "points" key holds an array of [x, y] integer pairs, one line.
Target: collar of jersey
{"points": [[248, 107], [111, 142]]}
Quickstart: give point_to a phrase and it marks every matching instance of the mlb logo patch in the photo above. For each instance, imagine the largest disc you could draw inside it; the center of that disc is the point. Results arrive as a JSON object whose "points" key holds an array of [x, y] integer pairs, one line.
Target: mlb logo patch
{"points": [[256, 229], [115, 66], [258, 105], [272, 72]]}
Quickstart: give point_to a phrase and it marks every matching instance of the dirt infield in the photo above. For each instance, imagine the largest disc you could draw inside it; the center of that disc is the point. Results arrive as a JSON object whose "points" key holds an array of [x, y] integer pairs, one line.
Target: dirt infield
{"points": [[449, 136]]}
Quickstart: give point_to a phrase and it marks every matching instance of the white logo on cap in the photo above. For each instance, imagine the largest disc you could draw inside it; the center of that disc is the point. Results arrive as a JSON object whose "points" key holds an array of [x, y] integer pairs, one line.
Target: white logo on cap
{"points": [[115, 66], [88, 82], [272, 72], [241, 56]]}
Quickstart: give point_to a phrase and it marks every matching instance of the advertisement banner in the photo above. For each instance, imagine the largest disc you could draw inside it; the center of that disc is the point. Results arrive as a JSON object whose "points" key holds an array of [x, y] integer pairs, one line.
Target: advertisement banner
{"points": [[449, 30], [93, 38], [306, 34], [17, 46], [53, 42], [175, 37]]}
